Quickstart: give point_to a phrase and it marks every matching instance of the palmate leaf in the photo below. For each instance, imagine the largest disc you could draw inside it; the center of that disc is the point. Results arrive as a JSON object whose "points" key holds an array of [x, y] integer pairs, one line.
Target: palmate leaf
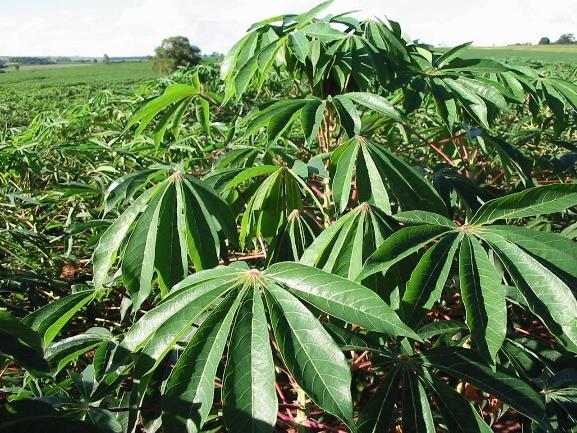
{"points": [[277, 197], [343, 247], [377, 172], [228, 300], [310, 354], [64, 351], [426, 372], [428, 279], [377, 415], [399, 245], [457, 412], [339, 297], [543, 272], [548, 296], [248, 393], [189, 392], [279, 116], [180, 218], [293, 237], [466, 365], [418, 418]]}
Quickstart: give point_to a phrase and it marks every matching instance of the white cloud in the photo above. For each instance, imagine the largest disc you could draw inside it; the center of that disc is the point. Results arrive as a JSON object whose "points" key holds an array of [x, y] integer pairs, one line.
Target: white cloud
{"points": [[135, 27]]}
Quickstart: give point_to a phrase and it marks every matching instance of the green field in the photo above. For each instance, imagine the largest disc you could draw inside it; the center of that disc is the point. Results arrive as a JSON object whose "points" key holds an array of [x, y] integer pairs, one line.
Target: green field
{"points": [[26, 93], [544, 53], [58, 75]]}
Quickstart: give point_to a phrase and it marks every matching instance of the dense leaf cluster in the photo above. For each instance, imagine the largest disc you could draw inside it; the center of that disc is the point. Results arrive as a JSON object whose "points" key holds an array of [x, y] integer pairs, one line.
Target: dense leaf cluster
{"points": [[340, 229]]}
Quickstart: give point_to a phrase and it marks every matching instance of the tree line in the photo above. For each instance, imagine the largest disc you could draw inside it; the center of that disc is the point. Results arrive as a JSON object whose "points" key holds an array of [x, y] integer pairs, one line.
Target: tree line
{"points": [[564, 39]]}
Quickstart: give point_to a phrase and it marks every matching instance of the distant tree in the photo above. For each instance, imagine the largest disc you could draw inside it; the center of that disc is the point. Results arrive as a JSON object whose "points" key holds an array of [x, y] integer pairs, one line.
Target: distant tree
{"points": [[2, 65], [17, 66], [544, 41], [106, 59], [566, 38], [176, 51]]}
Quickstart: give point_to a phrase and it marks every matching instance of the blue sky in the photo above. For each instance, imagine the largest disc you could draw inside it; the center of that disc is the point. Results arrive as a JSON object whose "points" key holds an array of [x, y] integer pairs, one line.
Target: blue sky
{"points": [[135, 27]]}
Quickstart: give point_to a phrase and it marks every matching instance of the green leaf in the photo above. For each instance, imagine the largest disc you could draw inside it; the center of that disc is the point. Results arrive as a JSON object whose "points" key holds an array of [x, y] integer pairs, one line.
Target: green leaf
{"points": [[466, 365], [299, 45], [343, 247], [185, 301], [50, 319], [458, 413], [310, 354], [248, 392], [244, 76], [308, 16], [470, 99], [62, 352], [167, 257], [201, 234], [551, 247], [284, 109], [376, 192], [377, 414], [485, 91], [172, 94], [312, 118], [109, 243], [481, 66], [344, 176], [376, 103], [250, 173], [428, 279], [441, 327], [418, 217], [203, 114], [531, 202], [139, 255], [23, 344], [349, 117], [417, 415], [547, 295], [484, 298], [188, 397], [399, 245], [452, 54], [410, 188], [339, 297], [323, 31]]}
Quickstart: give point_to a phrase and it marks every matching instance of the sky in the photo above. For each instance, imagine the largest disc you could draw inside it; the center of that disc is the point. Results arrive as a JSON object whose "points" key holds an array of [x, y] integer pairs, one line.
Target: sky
{"points": [[135, 27]]}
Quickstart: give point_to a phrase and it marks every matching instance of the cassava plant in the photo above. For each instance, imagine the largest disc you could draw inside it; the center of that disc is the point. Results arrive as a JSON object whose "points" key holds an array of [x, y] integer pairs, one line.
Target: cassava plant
{"points": [[335, 235]]}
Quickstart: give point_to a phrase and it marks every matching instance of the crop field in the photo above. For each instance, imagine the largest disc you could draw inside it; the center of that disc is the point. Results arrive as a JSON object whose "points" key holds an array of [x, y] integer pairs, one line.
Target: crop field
{"points": [[540, 53], [27, 93], [330, 229]]}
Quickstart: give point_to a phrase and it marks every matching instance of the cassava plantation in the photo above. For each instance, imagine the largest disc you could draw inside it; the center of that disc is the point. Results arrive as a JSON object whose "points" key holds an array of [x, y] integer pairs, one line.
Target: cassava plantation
{"points": [[332, 228]]}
